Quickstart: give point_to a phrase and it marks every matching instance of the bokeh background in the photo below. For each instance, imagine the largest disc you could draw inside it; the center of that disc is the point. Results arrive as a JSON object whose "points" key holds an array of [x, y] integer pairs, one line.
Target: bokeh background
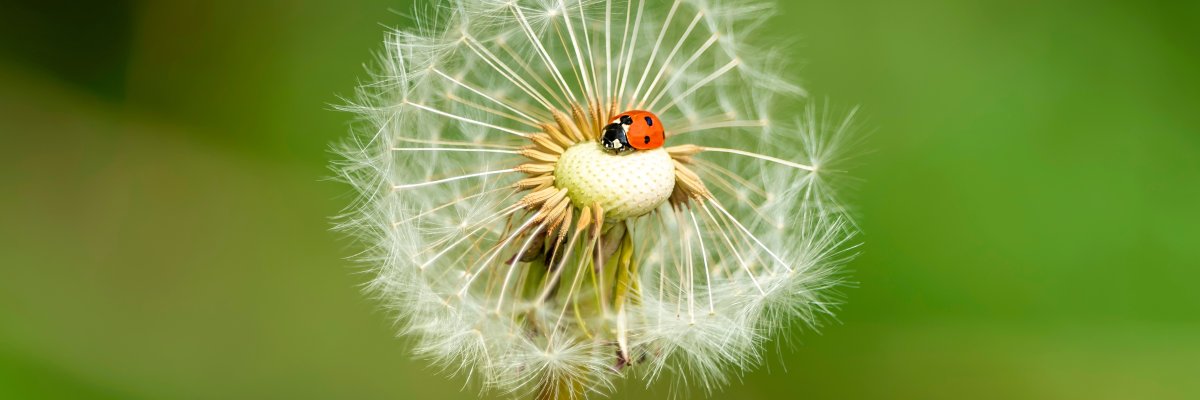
{"points": [[1030, 200]]}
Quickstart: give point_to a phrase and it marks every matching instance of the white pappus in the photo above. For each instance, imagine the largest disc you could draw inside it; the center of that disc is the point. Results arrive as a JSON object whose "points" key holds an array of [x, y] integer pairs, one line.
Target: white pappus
{"points": [[515, 251]]}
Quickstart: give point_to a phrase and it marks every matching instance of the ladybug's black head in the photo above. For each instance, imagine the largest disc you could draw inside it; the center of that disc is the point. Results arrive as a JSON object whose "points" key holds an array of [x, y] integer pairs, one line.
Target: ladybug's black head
{"points": [[614, 138]]}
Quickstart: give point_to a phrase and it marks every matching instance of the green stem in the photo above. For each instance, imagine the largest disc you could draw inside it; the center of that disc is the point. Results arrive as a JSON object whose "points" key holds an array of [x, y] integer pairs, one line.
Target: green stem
{"points": [[623, 281]]}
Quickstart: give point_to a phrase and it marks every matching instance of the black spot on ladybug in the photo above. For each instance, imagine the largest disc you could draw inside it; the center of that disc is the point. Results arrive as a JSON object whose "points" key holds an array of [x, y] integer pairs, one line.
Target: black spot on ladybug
{"points": [[649, 121], [645, 139], [625, 120]]}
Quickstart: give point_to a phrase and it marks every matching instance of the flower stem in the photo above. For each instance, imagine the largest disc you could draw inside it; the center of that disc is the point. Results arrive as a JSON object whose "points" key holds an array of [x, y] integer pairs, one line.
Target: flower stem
{"points": [[623, 282]]}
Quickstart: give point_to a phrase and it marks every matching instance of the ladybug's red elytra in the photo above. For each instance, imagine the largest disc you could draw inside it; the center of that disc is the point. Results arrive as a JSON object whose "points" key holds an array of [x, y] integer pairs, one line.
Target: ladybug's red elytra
{"points": [[633, 130]]}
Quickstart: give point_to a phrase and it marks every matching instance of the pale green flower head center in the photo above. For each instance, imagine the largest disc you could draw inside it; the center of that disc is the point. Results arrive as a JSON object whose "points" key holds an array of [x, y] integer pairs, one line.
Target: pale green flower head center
{"points": [[625, 185]]}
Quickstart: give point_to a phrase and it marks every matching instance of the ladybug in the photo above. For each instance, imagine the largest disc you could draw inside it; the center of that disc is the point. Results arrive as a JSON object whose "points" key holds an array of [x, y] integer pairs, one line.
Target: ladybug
{"points": [[633, 130]]}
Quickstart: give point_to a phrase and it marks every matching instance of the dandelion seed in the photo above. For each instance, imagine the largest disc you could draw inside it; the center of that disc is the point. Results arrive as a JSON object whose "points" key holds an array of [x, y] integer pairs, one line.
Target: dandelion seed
{"points": [[530, 227]]}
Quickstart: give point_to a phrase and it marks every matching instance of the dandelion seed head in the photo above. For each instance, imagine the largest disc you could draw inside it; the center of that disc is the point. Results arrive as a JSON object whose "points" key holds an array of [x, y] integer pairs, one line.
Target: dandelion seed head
{"points": [[518, 252]]}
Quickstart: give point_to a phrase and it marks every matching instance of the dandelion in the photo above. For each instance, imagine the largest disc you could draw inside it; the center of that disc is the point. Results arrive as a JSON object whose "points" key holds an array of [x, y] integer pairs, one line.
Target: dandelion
{"points": [[533, 231]]}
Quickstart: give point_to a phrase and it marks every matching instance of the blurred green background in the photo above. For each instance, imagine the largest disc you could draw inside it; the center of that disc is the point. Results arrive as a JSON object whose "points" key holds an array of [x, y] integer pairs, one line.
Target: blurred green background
{"points": [[1031, 203]]}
